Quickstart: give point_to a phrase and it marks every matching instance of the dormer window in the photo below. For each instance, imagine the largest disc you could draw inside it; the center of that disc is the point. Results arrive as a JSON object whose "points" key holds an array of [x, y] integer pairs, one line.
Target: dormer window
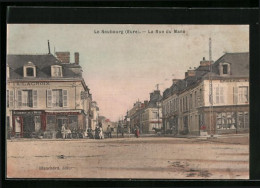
{"points": [[29, 70], [56, 71], [224, 69]]}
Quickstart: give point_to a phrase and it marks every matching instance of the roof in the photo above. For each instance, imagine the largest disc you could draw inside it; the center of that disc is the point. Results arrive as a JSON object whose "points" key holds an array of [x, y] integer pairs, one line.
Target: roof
{"points": [[239, 64], [239, 67], [43, 65]]}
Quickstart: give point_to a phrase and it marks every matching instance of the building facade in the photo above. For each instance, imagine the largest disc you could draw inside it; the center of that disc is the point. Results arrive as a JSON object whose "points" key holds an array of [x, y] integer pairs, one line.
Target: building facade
{"points": [[147, 115], [213, 98], [45, 92]]}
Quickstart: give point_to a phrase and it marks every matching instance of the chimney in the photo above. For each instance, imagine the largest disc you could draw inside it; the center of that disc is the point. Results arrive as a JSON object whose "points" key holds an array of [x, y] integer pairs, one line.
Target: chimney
{"points": [[205, 62], [174, 81], [190, 73], [76, 54], [151, 96], [64, 57]]}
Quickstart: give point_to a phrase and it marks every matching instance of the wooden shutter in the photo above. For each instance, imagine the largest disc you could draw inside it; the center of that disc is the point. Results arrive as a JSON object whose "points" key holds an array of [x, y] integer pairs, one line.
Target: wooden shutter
{"points": [[65, 98], [221, 93], [235, 90], [7, 98], [19, 98], [49, 98], [11, 98], [35, 98]]}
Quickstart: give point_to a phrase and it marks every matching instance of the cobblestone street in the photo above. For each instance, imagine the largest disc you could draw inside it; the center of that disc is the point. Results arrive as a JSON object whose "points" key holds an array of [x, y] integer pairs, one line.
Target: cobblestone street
{"points": [[225, 157]]}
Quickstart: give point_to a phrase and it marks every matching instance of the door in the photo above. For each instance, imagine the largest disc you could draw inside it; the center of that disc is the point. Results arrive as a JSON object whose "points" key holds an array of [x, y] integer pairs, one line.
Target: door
{"points": [[28, 126], [17, 126], [37, 123]]}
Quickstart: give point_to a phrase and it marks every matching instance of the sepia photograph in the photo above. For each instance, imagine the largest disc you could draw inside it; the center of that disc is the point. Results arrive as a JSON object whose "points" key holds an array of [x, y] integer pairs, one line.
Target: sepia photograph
{"points": [[127, 101]]}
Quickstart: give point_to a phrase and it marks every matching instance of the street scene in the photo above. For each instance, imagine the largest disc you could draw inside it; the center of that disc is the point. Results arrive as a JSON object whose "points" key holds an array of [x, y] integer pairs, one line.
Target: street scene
{"points": [[128, 101], [131, 158]]}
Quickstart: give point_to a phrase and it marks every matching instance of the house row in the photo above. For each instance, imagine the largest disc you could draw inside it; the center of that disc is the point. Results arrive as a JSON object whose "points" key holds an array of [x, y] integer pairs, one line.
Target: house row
{"points": [[212, 98], [146, 115], [45, 92]]}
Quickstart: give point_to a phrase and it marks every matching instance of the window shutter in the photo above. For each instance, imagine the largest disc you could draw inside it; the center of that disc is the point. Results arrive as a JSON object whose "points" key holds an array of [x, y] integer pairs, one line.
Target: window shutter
{"points": [[19, 98], [65, 98], [235, 90], [221, 95], [49, 98], [11, 98], [7, 98], [35, 98]]}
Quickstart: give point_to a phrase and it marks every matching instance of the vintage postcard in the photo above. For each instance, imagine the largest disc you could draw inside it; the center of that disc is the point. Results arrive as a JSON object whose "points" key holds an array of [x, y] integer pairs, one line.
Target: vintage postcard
{"points": [[127, 101]]}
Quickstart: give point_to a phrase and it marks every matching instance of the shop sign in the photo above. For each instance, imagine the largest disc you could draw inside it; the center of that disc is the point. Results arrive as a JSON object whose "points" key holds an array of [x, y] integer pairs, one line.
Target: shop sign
{"points": [[27, 112], [235, 80], [32, 83], [62, 113]]}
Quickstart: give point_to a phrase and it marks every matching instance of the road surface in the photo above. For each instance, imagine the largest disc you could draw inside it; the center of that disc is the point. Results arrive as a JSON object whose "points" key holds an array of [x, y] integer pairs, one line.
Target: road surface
{"points": [[130, 158]]}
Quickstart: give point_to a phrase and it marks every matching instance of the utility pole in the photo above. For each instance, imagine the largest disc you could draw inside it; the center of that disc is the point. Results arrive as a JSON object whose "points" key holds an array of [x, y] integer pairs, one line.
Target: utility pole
{"points": [[210, 91]]}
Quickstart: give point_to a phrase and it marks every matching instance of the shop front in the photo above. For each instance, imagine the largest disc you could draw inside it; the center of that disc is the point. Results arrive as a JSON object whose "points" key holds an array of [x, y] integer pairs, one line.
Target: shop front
{"points": [[73, 121], [28, 123]]}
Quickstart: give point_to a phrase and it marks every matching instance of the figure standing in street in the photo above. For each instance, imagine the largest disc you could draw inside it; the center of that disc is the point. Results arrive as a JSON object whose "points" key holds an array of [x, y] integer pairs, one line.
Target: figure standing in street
{"points": [[109, 131], [63, 131], [136, 131]]}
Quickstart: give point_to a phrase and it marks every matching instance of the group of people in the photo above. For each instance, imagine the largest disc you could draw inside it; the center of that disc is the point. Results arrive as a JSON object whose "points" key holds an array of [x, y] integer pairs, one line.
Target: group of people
{"points": [[66, 132]]}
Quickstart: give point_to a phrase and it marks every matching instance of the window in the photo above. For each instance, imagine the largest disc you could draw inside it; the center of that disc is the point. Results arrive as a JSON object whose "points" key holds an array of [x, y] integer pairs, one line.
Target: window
{"points": [[200, 98], [195, 99], [155, 115], [190, 101], [51, 122], [56, 71], [243, 94], [57, 98], [29, 70], [73, 122], [225, 69], [226, 120], [243, 120], [219, 95], [25, 98]]}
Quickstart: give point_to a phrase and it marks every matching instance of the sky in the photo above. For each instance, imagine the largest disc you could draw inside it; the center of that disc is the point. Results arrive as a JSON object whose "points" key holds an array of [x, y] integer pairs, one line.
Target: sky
{"points": [[121, 66]]}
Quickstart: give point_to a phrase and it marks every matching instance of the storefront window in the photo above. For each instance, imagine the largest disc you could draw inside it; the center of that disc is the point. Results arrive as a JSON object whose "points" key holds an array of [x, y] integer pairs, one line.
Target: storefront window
{"points": [[51, 121], [73, 122], [226, 120], [243, 119]]}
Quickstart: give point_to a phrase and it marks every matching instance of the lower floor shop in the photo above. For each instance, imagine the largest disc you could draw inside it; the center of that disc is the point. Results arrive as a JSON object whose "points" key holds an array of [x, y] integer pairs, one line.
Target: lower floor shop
{"points": [[28, 124], [216, 120]]}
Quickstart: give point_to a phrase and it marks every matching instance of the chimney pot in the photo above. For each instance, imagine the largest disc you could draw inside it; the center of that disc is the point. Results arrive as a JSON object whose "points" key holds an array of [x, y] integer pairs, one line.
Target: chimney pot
{"points": [[76, 54]]}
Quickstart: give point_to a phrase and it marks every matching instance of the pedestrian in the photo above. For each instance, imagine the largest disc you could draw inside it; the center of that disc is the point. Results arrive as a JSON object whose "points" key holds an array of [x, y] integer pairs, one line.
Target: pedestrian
{"points": [[137, 132], [122, 130], [63, 131], [109, 131], [101, 136], [68, 133]]}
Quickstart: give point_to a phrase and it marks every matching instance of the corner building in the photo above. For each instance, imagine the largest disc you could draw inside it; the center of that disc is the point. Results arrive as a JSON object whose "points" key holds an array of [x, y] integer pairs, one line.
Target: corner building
{"points": [[45, 92], [213, 97]]}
